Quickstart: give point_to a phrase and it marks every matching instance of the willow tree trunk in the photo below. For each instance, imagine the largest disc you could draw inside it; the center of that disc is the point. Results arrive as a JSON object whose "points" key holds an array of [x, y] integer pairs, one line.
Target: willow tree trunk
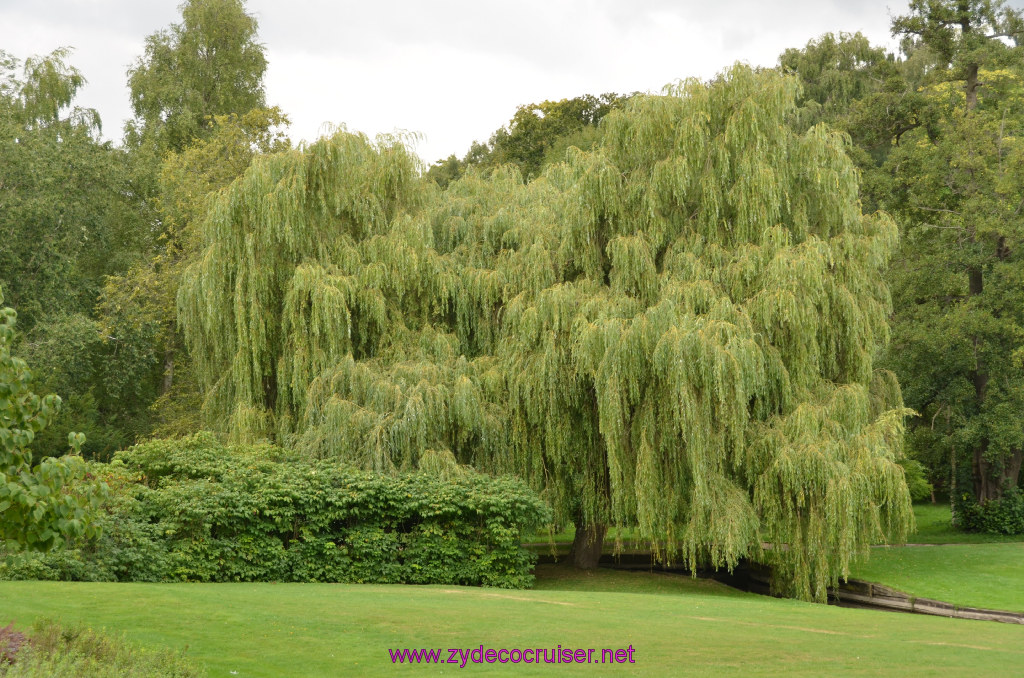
{"points": [[587, 545]]}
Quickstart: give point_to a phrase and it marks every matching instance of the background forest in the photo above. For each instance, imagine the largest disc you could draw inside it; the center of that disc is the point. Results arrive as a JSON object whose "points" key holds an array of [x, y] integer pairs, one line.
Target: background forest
{"points": [[768, 308]]}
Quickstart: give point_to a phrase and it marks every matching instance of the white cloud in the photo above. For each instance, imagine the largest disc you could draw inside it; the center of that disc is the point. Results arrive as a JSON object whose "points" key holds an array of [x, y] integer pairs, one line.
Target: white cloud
{"points": [[454, 70]]}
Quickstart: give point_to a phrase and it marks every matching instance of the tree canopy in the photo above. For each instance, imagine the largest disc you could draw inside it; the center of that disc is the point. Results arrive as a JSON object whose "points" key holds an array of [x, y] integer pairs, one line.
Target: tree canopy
{"points": [[65, 221], [936, 135], [197, 93], [956, 189], [666, 312], [536, 136], [209, 64], [68, 219]]}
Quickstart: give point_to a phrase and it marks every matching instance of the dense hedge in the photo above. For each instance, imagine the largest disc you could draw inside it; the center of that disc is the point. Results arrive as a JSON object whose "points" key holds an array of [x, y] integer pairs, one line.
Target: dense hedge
{"points": [[193, 510]]}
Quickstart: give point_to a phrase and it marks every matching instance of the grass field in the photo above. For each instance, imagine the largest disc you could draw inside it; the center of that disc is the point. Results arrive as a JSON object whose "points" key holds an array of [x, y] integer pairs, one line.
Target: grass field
{"points": [[977, 575], [933, 528], [977, 570], [676, 625]]}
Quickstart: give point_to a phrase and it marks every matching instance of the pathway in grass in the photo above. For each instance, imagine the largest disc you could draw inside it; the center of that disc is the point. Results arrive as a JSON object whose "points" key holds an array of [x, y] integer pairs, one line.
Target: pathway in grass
{"points": [[677, 626]]}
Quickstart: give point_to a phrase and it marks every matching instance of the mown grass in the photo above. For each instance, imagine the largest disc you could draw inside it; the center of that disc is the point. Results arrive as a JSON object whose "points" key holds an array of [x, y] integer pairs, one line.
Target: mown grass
{"points": [[677, 625], [977, 575], [976, 570], [933, 527]]}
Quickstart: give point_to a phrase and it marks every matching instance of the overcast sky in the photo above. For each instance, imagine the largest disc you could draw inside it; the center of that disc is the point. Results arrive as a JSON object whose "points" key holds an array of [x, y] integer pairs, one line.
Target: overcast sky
{"points": [[452, 70]]}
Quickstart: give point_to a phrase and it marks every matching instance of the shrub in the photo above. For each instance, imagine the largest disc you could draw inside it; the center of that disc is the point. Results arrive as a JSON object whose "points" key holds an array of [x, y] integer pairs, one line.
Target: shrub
{"points": [[1000, 516], [917, 482], [42, 502], [193, 510]]}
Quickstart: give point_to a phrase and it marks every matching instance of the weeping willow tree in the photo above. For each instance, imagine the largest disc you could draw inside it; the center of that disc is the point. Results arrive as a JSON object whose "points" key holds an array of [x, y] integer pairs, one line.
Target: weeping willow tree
{"points": [[283, 289], [695, 352], [673, 331], [321, 314]]}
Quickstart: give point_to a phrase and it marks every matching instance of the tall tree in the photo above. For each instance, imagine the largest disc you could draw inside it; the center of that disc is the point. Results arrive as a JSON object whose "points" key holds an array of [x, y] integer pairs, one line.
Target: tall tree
{"points": [[139, 308], [198, 97], [675, 330], [209, 64], [274, 243], [837, 71], [697, 376], [65, 221], [957, 194], [68, 219], [862, 90]]}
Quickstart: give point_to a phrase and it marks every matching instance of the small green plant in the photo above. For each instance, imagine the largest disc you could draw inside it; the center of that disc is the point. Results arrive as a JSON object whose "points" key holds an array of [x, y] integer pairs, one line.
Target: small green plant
{"points": [[11, 642], [80, 652]]}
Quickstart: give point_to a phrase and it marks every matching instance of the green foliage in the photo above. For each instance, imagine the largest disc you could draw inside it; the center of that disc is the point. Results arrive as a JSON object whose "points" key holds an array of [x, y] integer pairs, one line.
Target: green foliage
{"points": [[67, 217], [1004, 515], [862, 90], [106, 380], [837, 72], [444, 172], [193, 510], [536, 136], [917, 482], [57, 650], [68, 220], [935, 526], [954, 186], [936, 135], [209, 64], [200, 118], [304, 211], [674, 330], [537, 129], [137, 309], [958, 32], [43, 503]]}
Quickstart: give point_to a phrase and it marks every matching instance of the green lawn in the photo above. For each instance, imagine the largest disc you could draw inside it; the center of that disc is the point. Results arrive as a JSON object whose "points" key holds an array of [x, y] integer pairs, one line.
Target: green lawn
{"points": [[676, 625], [933, 528], [977, 575], [977, 570]]}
